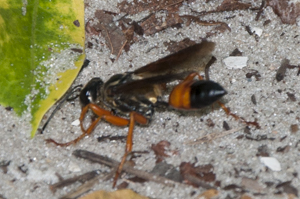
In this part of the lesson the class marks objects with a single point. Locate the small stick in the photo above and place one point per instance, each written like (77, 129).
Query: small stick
(93, 157)
(84, 188)
(212, 136)
(120, 51)
(82, 178)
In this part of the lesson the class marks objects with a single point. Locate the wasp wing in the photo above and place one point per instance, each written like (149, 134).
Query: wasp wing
(193, 58)
(173, 67)
(145, 83)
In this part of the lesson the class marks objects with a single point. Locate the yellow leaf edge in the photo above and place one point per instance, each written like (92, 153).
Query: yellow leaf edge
(64, 82)
(55, 93)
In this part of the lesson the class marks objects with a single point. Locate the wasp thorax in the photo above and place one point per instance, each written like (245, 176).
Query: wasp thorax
(91, 91)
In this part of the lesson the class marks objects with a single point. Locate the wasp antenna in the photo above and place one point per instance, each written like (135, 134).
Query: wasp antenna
(67, 97)
(77, 89)
(211, 62)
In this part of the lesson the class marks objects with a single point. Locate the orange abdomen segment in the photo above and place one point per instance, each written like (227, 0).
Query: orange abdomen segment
(180, 96)
(195, 94)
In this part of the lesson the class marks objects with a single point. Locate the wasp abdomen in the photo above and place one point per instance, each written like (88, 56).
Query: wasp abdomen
(195, 94)
(204, 93)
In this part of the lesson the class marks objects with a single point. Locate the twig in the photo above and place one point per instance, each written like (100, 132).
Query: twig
(128, 169)
(212, 136)
(120, 51)
(87, 186)
(82, 178)
(172, 4)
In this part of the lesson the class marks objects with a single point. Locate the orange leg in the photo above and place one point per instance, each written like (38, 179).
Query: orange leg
(134, 117)
(102, 114)
(191, 76)
(115, 120)
(228, 112)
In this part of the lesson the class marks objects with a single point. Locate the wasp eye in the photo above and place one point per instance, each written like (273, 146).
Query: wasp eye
(91, 91)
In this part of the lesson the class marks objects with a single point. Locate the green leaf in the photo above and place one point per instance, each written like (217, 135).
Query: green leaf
(37, 63)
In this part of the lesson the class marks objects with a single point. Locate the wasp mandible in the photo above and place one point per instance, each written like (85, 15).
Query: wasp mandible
(131, 98)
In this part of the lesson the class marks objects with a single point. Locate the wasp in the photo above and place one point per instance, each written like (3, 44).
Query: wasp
(131, 98)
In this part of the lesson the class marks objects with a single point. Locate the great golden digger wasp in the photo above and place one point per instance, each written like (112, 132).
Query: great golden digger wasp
(131, 97)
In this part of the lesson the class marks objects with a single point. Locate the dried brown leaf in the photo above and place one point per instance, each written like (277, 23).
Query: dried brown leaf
(287, 10)
(245, 196)
(231, 5)
(286, 187)
(251, 185)
(154, 24)
(174, 46)
(138, 6)
(114, 36)
(119, 194)
(208, 194)
(160, 150)
(192, 174)
(294, 128)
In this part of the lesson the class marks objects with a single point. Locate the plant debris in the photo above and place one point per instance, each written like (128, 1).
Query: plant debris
(231, 5)
(81, 178)
(294, 128)
(127, 168)
(255, 73)
(122, 193)
(168, 171)
(282, 70)
(151, 6)
(154, 24)
(114, 36)
(287, 10)
(263, 151)
(226, 127)
(160, 150)
(208, 194)
(212, 136)
(251, 185)
(111, 138)
(236, 52)
(253, 99)
(196, 175)
(286, 187)
(174, 46)
(4, 164)
(291, 96)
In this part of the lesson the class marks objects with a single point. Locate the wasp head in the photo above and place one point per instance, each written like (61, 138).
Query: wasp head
(91, 91)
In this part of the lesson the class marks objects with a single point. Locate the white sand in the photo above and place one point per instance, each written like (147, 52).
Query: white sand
(274, 111)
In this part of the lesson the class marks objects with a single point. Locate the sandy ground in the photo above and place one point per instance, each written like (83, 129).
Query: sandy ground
(34, 165)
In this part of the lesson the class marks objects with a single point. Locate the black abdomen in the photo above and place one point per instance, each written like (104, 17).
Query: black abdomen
(204, 93)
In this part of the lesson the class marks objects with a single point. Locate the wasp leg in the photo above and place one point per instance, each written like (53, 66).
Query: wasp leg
(134, 117)
(228, 112)
(208, 65)
(102, 114)
(191, 76)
